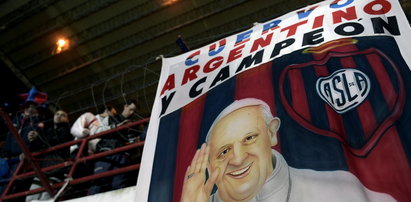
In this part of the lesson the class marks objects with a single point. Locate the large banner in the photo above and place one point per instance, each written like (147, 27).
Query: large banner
(312, 106)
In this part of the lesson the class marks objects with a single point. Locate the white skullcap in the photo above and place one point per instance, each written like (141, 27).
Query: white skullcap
(237, 104)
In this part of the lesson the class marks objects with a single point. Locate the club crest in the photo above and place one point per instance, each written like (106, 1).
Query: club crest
(344, 89)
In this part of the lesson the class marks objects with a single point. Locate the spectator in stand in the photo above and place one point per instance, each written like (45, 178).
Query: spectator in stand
(90, 124)
(24, 122)
(129, 109)
(118, 160)
(85, 125)
(51, 135)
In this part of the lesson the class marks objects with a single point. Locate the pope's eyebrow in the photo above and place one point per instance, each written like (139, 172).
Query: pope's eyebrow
(222, 147)
(249, 133)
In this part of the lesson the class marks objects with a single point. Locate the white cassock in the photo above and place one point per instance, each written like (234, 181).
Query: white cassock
(287, 184)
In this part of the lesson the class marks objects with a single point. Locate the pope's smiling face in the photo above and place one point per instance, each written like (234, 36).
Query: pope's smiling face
(240, 146)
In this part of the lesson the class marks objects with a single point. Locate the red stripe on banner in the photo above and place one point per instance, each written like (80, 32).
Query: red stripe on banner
(348, 62)
(190, 125)
(258, 83)
(335, 122)
(345, 48)
(335, 46)
(364, 110)
(386, 168)
(384, 80)
(298, 94)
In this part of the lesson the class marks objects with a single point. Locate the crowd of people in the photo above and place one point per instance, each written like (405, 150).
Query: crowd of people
(40, 132)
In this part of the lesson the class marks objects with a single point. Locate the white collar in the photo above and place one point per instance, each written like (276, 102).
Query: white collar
(278, 182)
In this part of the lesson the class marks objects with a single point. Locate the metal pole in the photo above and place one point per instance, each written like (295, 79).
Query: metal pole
(27, 153)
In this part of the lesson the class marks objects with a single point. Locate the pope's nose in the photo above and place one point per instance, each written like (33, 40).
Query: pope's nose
(238, 155)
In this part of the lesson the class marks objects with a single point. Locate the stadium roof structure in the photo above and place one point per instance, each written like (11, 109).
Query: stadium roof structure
(111, 48)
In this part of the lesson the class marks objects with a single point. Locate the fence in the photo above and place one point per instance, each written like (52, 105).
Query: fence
(29, 168)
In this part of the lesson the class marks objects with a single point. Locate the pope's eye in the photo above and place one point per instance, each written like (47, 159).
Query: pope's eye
(223, 153)
(250, 138)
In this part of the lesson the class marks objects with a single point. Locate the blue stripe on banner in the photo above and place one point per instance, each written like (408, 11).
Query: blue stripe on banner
(316, 104)
(391, 74)
(162, 179)
(390, 48)
(300, 147)
(217, 99)
(353, 129)
(287, 88)
(376, 97)
(404, 126)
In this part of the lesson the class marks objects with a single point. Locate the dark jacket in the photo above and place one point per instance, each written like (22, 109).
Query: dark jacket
(49, 137)
(23, 125)
(115, 139)
(52, 136)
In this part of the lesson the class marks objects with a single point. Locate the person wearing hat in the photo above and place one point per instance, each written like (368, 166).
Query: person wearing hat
(24, 122)
(239, 158)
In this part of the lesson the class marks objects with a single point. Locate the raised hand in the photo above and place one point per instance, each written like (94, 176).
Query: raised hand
(86, 132)
(32, 135)
(195, 187)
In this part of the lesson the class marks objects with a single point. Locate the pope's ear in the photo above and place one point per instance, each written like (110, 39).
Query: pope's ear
(273, 127)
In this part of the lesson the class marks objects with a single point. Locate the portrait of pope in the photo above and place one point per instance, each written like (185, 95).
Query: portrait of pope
(237, 157)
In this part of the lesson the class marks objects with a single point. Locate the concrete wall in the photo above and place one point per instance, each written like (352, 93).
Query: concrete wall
(120, 195)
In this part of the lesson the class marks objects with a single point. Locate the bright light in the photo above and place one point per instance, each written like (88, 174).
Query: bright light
(61, 45)
(168, 2)
(61, 42)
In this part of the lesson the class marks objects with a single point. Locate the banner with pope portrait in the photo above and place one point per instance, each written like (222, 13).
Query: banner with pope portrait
(312, 106)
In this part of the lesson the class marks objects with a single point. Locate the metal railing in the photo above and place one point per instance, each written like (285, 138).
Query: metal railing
(30, 168)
